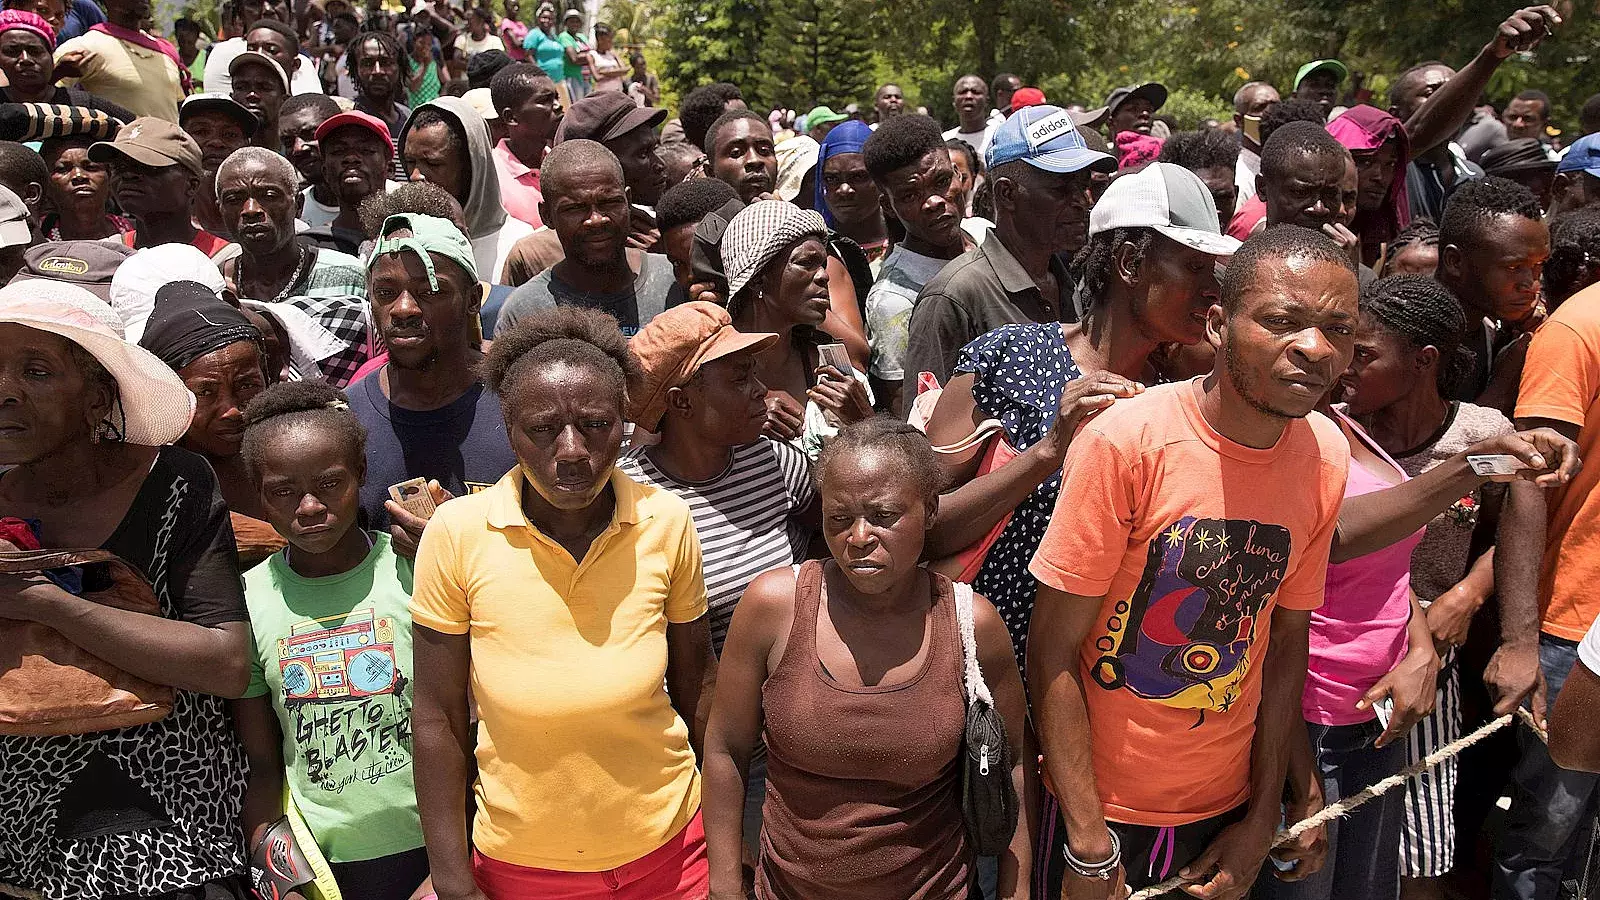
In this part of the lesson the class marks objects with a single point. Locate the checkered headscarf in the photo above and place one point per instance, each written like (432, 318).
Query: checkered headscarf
(758, 233)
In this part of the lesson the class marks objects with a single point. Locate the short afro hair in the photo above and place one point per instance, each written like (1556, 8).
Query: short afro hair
(1291, 110)
(1470, 211)
(1536, 96)
(691, 201)
(513, 85)
(900, 141)
(570, 335)
(1281, 153)
(728, 118)
(423, 197)
(700, 108)
(1574, 253)
(1196, 150)
(21, 166)
(284, 31)
(1276, 243)
(324, 106)
(290, 404)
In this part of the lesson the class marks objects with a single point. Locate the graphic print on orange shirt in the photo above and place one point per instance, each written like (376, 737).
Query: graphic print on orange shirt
(1183, 639)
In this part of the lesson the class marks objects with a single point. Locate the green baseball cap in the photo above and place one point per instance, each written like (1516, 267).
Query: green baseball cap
(1338, 69)
(823, 115)
(429, 234)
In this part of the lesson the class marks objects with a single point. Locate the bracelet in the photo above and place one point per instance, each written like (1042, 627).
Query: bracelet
(1102, 870)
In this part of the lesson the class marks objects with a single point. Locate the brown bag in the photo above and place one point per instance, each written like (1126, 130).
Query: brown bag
(49, 685)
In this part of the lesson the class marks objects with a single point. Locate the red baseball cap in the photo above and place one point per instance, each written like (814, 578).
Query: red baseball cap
(361, 120)
(1026, 96)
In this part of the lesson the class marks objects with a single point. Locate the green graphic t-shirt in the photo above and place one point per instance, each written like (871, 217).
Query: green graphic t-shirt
(334, 654)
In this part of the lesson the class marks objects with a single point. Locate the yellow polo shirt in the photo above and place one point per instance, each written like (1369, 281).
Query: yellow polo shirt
(583, 765)
(144, 81)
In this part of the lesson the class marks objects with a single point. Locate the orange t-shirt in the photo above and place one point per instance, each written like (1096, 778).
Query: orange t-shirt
(1192, 540)
(1561, 381)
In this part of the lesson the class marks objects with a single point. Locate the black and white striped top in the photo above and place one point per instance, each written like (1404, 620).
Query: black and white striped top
(745, 518)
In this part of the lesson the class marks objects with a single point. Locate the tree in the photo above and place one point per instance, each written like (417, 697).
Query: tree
(815, 52)
(710, 40)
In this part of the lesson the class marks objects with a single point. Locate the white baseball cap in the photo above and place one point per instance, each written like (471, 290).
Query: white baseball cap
(1168, 199)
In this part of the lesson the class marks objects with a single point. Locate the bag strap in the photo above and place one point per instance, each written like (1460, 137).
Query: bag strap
(977, 690)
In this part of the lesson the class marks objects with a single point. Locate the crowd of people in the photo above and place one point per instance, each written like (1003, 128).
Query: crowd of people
(429, 472)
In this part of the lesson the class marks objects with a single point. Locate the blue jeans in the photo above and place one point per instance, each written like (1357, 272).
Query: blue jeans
(1549, 804)
(1363, 847)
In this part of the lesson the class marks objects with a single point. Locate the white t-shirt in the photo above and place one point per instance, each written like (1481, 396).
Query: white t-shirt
(315, 215)
(606, 61)
(221, 56)
(470, 48)
(1589, 648)
(977, 140)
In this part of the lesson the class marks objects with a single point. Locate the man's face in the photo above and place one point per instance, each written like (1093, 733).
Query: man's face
(725, 402)
(743, 157)
(1258, 100)
(297, 135)
(1323, 87)
(143, 191)
(1311, 195)
(1002, 96)
(117, 11)
(273, 44)
(1418, 87)
(1135, 114)
(430, 156)
(642, 169)
(890, 101)
(259, 207)
(1375, 175)
(971, 98)
(250, 11)
(1524, 119)
(1224, 191)
(345, 31)
(377, 70)
(1291, 335)
(1574, 190)
(1048, 210)
(678, 243)
(355, 162)
(927, 199)
(1539, 181)
(849, 190)
(417, 323)
(588, 211)
(258, 89)
(217, 134)
(534, 123)
(1498, 274)
(1176, 289)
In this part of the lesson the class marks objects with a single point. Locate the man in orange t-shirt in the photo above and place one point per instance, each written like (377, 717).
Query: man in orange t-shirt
(1189, 544)
(1561, 390)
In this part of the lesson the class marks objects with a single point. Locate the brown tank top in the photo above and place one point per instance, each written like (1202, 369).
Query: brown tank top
(864, 783)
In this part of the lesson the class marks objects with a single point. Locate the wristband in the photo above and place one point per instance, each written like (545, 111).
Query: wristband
(276, 865)
(1102, 870)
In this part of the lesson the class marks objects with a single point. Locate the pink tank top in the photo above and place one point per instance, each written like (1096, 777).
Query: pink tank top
(1359, 634)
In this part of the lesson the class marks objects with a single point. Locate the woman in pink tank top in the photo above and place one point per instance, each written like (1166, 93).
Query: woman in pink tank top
(851, 669)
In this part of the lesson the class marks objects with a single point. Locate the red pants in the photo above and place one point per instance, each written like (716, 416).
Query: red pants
(677, 870)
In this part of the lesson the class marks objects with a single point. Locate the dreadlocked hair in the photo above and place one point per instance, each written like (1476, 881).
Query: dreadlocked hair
(1094, 266)
(1424, 313)
(1574, 252)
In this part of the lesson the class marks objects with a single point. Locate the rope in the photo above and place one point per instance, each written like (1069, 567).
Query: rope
(1347, 805)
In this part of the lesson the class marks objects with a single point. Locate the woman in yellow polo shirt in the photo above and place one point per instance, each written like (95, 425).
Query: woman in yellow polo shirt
(572, 600)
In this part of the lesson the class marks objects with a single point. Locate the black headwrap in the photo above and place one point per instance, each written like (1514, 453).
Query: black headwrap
(189, 321)
(1520, 155)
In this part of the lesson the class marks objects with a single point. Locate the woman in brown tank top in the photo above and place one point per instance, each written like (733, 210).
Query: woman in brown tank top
(850, 668)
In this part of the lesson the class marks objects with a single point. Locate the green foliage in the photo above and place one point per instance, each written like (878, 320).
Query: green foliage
(710, 40)
(814, 52)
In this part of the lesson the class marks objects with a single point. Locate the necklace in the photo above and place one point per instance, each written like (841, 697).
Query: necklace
(299, 271)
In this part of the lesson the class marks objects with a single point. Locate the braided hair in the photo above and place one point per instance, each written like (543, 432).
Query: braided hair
(1095, 265)
(1424, 313)
(915, 457)
(1574, 253)
(297, 404)
(1420, 233)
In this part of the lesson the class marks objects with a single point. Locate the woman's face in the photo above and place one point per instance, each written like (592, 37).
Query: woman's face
(310, 485)
(1374, 175)
(547, 19)
(1383, 370)
(1415, 259)
(850, 191)
(1177, 287)
(224, 382)
(565, 423)
(46, 400)
(795, 283)
(874, 519)
(76, 180)
(25, 60)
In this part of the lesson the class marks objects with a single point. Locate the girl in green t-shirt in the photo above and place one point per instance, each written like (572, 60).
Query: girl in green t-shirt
(328, 710)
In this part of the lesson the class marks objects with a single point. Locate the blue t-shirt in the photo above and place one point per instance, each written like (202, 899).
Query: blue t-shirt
(462, 445)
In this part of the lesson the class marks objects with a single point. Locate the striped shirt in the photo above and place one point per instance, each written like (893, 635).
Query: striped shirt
(745, 518)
